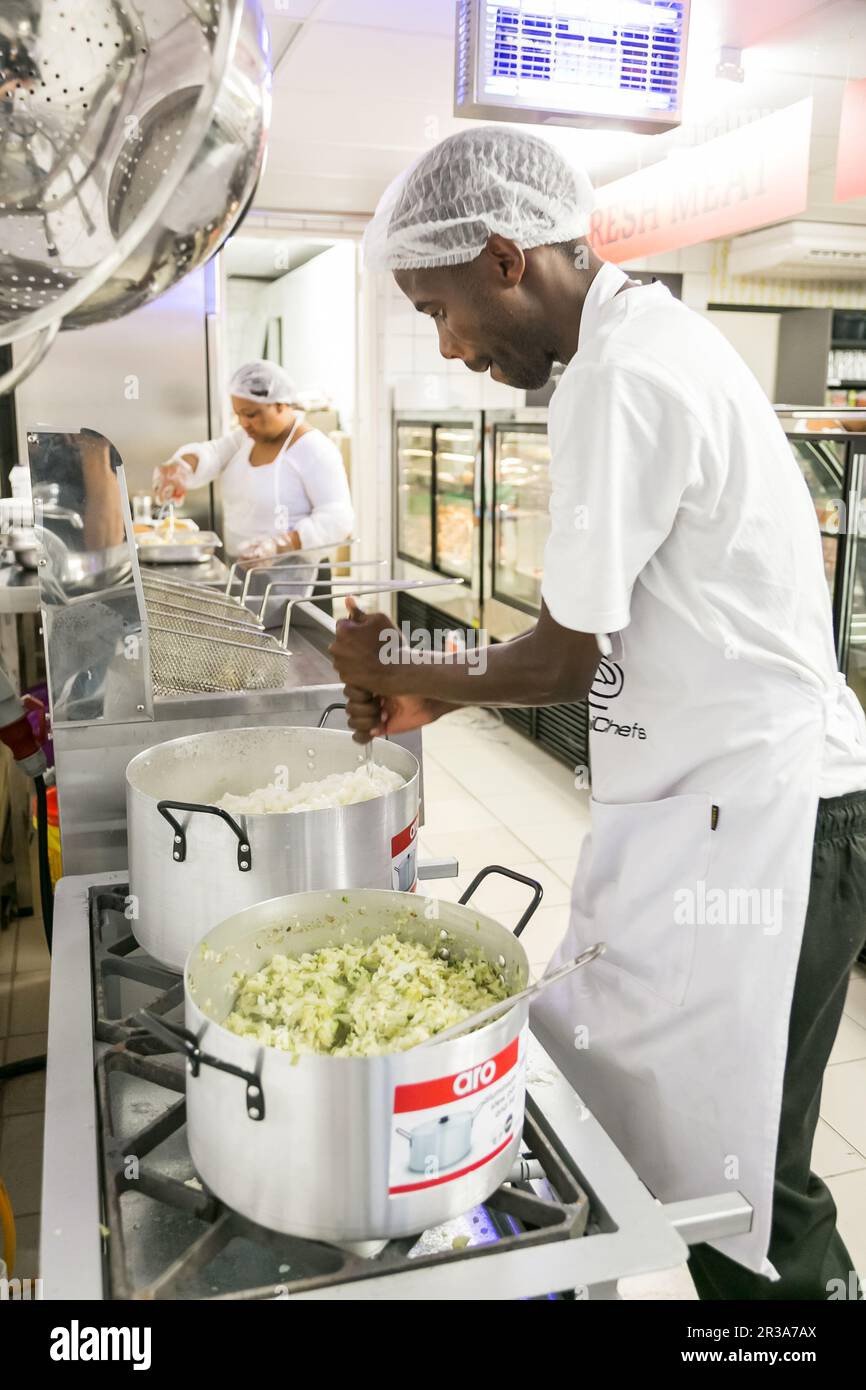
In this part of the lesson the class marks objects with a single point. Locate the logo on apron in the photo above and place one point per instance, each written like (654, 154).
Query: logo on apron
(607, 685)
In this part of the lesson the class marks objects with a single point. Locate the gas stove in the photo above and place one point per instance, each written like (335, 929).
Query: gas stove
(124, 1215)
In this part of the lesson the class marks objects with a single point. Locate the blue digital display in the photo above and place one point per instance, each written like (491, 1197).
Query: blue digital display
(626, 57)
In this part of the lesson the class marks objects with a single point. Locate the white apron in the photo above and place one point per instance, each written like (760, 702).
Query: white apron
(676, 1039)
(253, 498)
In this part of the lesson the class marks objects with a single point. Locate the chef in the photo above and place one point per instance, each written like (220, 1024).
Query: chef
(684, 594)
(283, 482)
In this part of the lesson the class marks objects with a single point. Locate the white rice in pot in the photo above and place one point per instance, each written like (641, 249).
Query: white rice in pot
(338, 789)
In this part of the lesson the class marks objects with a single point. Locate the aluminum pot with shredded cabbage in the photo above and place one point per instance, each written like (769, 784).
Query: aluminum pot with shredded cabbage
(362, 999)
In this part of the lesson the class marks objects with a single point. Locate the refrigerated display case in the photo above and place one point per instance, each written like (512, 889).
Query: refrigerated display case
(830, 449)
(517, 517)
(438, 505)
(414, 492)
(516, 528)
(487, 524)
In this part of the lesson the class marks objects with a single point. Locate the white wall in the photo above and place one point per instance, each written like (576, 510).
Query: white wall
(756, 339)
(317, 304)
(694, 263)
(245, 321)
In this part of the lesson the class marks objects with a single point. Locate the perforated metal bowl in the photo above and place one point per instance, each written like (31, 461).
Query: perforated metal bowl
(131, 140)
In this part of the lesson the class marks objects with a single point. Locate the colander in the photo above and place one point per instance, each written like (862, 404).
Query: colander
(131, 140)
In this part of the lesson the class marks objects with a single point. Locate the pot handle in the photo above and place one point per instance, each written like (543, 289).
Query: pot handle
(537, 890)
(404, 1134)
(182, 1040)
(329, 709)
(245, 855)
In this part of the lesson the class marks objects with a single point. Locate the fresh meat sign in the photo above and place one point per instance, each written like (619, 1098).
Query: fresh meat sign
(741, 180)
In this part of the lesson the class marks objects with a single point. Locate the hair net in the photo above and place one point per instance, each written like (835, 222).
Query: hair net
(487, 180)
(265, 382)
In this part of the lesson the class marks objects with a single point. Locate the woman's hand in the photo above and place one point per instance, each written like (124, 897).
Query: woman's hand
(171, 480)
(262, 548)
(265, 547)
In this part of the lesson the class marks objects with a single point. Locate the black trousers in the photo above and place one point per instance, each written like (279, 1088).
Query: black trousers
(805, 1246)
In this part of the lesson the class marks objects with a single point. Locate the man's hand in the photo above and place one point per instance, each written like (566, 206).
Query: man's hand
(357, 650)
(371, 716)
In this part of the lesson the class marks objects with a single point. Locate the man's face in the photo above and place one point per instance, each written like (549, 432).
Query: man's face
(260, 422)
(485, 317)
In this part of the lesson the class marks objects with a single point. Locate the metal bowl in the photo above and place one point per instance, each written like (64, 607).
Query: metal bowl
(131, 141)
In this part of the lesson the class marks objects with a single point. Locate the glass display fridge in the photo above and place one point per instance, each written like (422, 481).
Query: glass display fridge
(438, 505)
(517, 518)
(487, 524)
(516, 528)
(830, 449)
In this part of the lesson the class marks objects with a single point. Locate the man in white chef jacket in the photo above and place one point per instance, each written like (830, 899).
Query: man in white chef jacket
(727, 863)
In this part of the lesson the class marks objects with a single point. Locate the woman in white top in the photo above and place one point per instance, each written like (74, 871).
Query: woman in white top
(283, 483)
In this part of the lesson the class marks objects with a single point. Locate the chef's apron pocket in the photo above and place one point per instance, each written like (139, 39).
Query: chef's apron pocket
(647, 878)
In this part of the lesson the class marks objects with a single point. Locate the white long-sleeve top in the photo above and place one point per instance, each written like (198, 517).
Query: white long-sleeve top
(304, 489)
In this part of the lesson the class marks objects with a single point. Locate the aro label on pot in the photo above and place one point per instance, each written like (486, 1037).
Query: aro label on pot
(468, 1081)
(446, 1128)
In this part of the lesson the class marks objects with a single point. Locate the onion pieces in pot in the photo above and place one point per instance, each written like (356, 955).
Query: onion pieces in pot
(362, 999)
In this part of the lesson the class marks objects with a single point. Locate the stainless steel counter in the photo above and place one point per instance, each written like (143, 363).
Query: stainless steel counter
(211, 572)
(19, 590)
(92, 756)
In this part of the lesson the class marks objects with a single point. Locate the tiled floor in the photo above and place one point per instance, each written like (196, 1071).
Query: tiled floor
(491, 797)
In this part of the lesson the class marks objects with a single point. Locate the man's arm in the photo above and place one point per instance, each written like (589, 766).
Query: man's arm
(549, 665)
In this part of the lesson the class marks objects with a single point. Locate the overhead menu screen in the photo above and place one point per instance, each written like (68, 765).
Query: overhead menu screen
(618, 62)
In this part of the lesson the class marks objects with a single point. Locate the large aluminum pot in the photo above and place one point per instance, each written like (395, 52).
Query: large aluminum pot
(191, 864)
(334, 1148)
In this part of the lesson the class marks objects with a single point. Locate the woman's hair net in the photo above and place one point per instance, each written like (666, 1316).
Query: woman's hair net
(265, 382)
(487, 180)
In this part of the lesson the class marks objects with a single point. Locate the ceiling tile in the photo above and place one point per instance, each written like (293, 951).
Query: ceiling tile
(355, 63)
(407, 16)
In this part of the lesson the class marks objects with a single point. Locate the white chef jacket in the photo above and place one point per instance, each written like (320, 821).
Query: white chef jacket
(680, 520)
(683, 530)
(304, 489)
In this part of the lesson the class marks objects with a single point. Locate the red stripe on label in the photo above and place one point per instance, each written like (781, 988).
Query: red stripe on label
(444, 1090)
(404, 839)
(449, 1177)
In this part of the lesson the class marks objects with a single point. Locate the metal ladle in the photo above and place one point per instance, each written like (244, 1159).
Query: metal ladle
(475, 1020)
(356, 615)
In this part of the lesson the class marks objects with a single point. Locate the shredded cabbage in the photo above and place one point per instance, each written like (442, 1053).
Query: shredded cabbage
(337, 789)
(361, 999)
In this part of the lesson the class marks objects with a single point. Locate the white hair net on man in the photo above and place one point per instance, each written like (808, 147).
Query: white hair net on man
(265, 382)
(442, 210)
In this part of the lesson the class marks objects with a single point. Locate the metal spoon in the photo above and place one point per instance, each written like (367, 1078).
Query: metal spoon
(485, 1015)
(357, 616)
